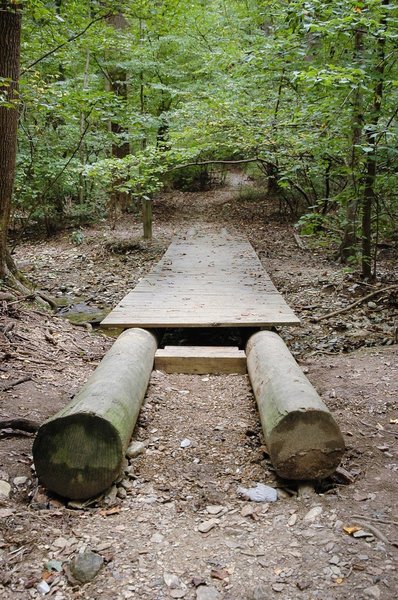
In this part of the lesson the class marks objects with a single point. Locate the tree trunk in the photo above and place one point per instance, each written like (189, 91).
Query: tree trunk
(78, 453)
(303, 439)
(371, 161)
(349, 241)
(83, 148)
(120, 146)
(10, 36)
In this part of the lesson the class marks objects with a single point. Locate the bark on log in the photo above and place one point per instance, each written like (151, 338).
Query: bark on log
(303, 439)
(78, 452)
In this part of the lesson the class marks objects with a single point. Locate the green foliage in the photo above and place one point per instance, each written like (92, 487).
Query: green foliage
(312, 223)
(77, 237)
(190, 81)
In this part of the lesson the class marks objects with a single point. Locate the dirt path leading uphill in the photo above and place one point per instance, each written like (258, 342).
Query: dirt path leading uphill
(179, 528)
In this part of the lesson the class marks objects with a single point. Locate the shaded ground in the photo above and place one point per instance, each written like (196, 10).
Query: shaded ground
(152, 530)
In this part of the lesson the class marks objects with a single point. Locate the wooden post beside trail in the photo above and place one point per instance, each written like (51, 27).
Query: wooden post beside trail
(147, 218)
(302, 438)
(78, 453)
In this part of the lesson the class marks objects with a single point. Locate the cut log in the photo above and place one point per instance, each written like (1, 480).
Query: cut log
(303, 439)
(78, 452)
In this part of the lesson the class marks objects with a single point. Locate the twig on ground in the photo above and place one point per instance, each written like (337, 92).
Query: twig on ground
(300, 242)
(354, 304)
(373, 520)
(8, 385)
(393, 433)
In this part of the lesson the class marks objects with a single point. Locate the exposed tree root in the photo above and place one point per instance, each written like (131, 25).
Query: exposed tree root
(15, 284)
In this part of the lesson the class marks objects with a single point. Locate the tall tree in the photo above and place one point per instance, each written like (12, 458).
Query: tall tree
(10, 36)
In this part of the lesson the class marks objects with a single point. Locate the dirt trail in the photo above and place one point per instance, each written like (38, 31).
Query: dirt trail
(179, 528)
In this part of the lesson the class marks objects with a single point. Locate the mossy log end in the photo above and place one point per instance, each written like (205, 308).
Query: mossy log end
(302, 437)
(78, 452)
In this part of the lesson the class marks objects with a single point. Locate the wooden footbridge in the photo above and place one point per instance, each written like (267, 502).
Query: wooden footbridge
(205, 279)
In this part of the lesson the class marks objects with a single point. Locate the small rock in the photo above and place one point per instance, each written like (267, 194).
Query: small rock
(362, 534)
(60, 542)
(220, 574)
(54, 565)
(43, 587)
(304, 584)
(135, 449)
(178, 593)
(18, 481)
(197, 581)
(121, 493)
(383, 448)
(313, 514)
(260, 493)
(103, 546)
(372, 592)
(6, 512)
(372, 305)
(185, 443)
(292, 520)
(172, 581)
(157, 538)
(278, 587)
(247, 511)
(207, 592)
(84, 567)
(361, 496)
(335, 560)
(126, 484)
(306, 489)
(5, 489)
(260, 592)
(130, 472)
(206, 526)
(214, 509)
(110, 496)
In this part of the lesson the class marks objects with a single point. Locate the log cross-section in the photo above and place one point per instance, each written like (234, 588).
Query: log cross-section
(302, 437)
(78, 452)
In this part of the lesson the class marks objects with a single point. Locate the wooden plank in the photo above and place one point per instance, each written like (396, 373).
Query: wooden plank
(205, 279)
(201, 359)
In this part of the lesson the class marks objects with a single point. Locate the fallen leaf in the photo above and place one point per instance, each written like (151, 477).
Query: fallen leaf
(115, 510)
(351, 529)
(219, 574)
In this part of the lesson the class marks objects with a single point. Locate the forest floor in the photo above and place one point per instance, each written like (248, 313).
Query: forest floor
(178, 528)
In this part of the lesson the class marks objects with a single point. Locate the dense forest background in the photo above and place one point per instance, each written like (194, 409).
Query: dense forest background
(117, 98)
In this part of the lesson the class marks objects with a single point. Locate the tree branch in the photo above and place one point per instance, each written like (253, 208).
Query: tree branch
(219, 162)
(71, 39)
(72, 156)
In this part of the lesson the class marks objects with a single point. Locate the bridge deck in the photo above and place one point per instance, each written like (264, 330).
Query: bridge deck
(205, 279)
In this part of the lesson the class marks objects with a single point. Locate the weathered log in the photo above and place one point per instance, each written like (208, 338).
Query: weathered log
(78, 452)
(303, 439)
